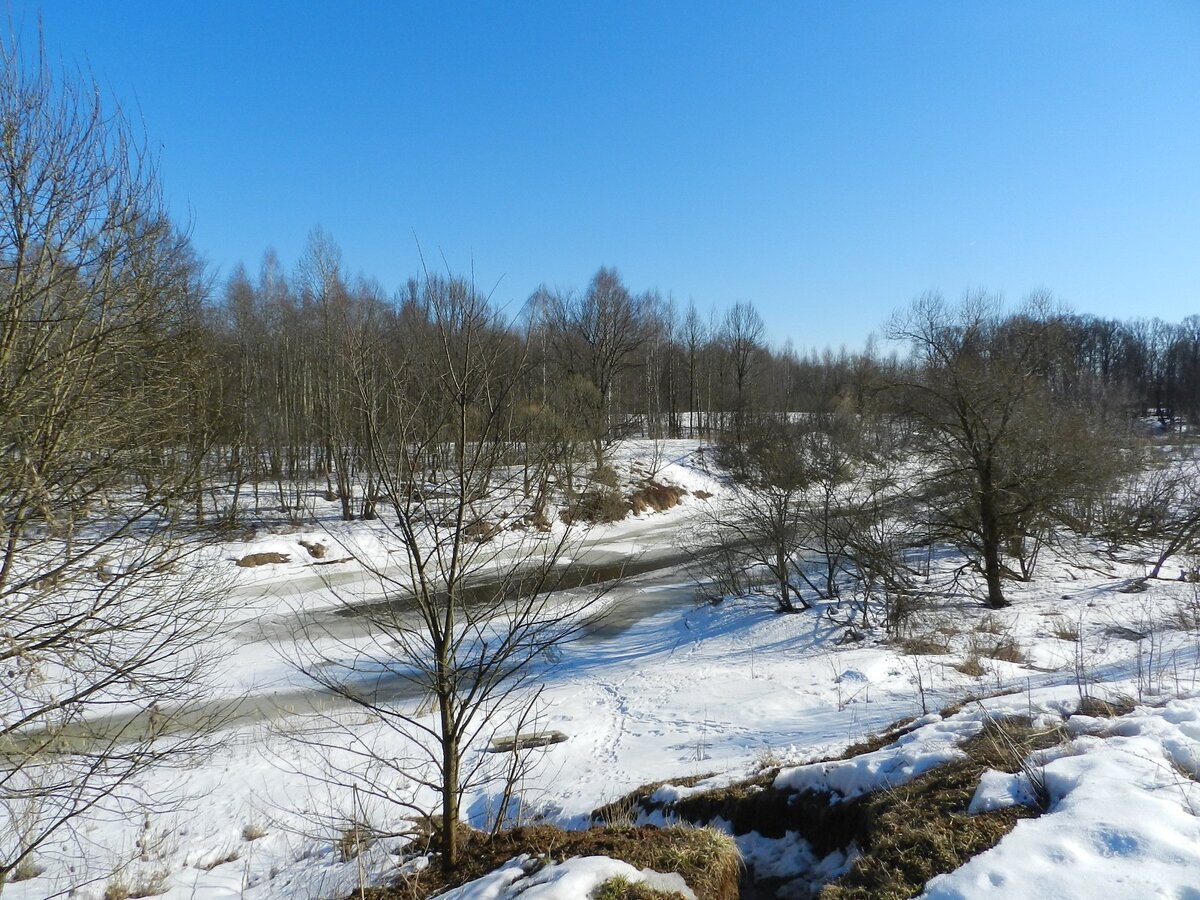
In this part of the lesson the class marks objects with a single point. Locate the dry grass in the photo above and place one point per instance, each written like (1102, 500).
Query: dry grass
(911, 833)
(906, 835)
(989, 624)
(706, 858)
(876, 741)
(923, 645)
(656, 497)
(1063, 628)
(315, 549)
(1186, 616)
(353, 839)
(948, 629)
(1004, 648)
(596, 507)
(253, 560)
(150, 885)
(1105, 709)
(481, 531)
(26, 869)
(971, 666)
(219, 860)
(626, 808)
(619, 888)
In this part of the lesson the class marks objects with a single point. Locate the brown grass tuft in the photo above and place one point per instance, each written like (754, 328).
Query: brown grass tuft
(923, 645)
(481, 531)
(1105, 709)
(1005, 649)
(252, 560)
(971, 666)
(1063, 628)
(596, 507)
(623, 889)
(656, 497)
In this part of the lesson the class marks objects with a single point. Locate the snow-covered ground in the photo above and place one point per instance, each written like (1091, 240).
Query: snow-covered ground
(689, 688)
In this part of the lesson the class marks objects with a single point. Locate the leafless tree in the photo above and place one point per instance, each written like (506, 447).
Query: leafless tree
(596, 336)
(822, 508)
(765, 527)
(1003, 453)
(473, 610)
(742, 338)
(692, 335)
(98, 312)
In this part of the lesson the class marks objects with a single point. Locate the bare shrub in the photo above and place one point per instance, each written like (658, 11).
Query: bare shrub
(923, 645)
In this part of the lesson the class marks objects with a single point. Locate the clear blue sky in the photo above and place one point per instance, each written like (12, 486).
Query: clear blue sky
(826, 161)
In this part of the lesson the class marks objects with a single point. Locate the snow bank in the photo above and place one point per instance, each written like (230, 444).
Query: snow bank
(932, 743)
(1123, 817)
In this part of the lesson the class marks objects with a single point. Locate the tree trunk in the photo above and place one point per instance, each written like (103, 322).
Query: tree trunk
(990, 538)
(449, 793)
(785, 599)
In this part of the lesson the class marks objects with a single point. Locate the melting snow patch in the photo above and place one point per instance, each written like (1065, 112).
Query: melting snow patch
(911, 755)
(790, 858)
(568, 880)
(1000, 790)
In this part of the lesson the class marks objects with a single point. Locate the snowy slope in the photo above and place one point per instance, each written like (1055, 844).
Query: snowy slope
(684, 689)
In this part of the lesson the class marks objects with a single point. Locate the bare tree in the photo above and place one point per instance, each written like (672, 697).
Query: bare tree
(692, 335)
(822, 508)
(742, 337)
(597, 337)
(765, 527)
(1003, 453)
(472, 612)
(98, 309)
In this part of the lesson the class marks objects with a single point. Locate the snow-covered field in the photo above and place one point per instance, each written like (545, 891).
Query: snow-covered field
(689, 688)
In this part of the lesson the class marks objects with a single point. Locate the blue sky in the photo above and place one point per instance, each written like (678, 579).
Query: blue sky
(826, 161)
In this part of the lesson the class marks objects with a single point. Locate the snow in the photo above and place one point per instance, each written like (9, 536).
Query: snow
(931, 744)
(569, 880)
(674, 690)
(791, 859)
(1000, 790)
(1123, 818)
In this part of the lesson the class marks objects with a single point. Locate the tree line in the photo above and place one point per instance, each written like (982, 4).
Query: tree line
(283, 406)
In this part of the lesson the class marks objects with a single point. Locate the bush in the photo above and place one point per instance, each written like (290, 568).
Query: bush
(595, 507)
